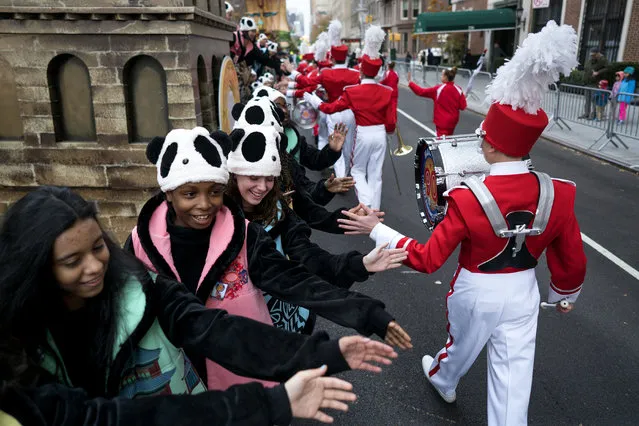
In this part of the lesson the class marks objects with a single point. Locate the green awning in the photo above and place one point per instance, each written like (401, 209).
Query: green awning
(465, 21)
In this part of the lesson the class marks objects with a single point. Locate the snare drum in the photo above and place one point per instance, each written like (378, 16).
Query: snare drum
(441, 164)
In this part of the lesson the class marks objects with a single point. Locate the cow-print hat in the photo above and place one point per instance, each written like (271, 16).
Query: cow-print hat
(255, 151)
(189, 156)
(258, 112)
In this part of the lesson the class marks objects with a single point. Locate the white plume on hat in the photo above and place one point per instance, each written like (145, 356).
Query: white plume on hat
(304, 48)
(523, 80)
(322, 46)
(257, 153)
(335, 32)
(373, 40)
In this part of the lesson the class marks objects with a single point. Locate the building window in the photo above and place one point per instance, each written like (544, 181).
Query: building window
(405, 41)
(541, 16)
(10, 122)
(417, 8)
(147, 110)
(71, 100)
(603, 22)
(204, 88)
(404, 9)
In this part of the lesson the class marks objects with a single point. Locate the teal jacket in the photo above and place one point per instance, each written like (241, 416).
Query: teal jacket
(159, 318)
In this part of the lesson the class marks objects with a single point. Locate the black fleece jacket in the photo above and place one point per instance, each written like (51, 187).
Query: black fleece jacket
(270, 271)
(57, 405)
(341, 270)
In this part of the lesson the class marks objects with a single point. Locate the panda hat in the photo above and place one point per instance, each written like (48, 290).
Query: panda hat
(255, 151)
(248, 24)
(268, 92)
(190, 156)
(256, 85)
(269, 76)
(260, 111)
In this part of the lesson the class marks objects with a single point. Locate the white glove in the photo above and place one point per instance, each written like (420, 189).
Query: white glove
(292, 85)
(313, 100)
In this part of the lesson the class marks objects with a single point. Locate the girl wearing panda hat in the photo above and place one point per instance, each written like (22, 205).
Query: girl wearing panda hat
(189, 232)
(309, 197)
(255, 185)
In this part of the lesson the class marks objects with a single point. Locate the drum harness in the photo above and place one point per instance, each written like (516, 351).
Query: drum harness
(497, 221)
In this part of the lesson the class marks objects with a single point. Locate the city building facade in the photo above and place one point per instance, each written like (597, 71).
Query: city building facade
(85, 88)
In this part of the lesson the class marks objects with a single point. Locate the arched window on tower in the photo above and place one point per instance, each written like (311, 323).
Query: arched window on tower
(215, 89)
(205, 97)
(10, 121)
(71, 99)
(147, 110)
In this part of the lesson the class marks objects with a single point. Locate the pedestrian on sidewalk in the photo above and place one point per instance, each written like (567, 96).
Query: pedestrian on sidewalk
(600, 99)
(626, 90)
(494, 296)
(449, 99)
(593, 68)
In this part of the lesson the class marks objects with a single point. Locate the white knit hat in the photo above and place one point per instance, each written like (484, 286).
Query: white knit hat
(259, 111)
(256, 151)
(189, 156)
(269, 92)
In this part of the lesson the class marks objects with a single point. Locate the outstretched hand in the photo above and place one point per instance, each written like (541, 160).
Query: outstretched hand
(359, 222)
(308, 392)
(287, 67)
(379, 259)
(360, 352)
(396, 336)
(337, 138)
(335, 185)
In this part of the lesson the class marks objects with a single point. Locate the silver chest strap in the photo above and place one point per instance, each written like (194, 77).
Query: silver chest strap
(497, 221)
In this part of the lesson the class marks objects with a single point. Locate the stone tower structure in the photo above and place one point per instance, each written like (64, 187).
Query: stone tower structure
(84, 88)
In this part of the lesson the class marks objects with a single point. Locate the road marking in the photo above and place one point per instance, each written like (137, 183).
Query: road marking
(586, 239)
(608, 254)
(416, 122)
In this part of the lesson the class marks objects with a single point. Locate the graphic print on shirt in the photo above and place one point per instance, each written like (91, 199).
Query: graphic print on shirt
(229, 286)
(286, 316)
(144, 376)
(509, 257)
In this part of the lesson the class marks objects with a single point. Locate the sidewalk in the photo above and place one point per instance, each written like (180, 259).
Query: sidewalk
(581, 137)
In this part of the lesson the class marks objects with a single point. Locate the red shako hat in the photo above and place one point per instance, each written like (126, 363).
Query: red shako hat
(515, 120)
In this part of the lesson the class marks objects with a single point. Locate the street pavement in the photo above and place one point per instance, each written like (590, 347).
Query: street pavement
(587, 362)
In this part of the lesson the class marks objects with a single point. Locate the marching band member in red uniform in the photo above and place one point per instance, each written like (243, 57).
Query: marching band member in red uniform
(503, 224)
(449, 99)
(391, 79)
(334, 80)
(371, 104)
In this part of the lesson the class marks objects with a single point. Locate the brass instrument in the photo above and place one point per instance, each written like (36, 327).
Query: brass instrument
(402, 149)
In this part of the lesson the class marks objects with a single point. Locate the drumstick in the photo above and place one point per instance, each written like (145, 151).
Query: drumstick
(564, 304)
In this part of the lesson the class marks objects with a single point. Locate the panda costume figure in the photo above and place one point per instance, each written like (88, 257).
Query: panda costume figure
(191, 233)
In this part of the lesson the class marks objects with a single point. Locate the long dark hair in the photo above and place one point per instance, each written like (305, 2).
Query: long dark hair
(29, 295)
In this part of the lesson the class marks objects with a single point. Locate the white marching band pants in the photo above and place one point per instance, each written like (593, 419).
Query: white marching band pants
(367, 162)
(322, 133)
(343, 165)
(498, 310)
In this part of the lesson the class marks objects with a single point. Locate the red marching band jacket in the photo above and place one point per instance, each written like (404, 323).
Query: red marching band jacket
(370, 103)
(482, 251)
(310, 73)
(449, 100)
(332, 79)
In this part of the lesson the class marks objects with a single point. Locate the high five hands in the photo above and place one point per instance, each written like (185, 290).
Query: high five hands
(361, 220)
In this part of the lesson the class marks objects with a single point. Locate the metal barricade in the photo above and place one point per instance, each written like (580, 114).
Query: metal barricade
(624, 118)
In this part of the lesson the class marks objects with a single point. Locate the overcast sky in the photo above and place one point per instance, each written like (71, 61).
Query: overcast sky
(303, 6)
